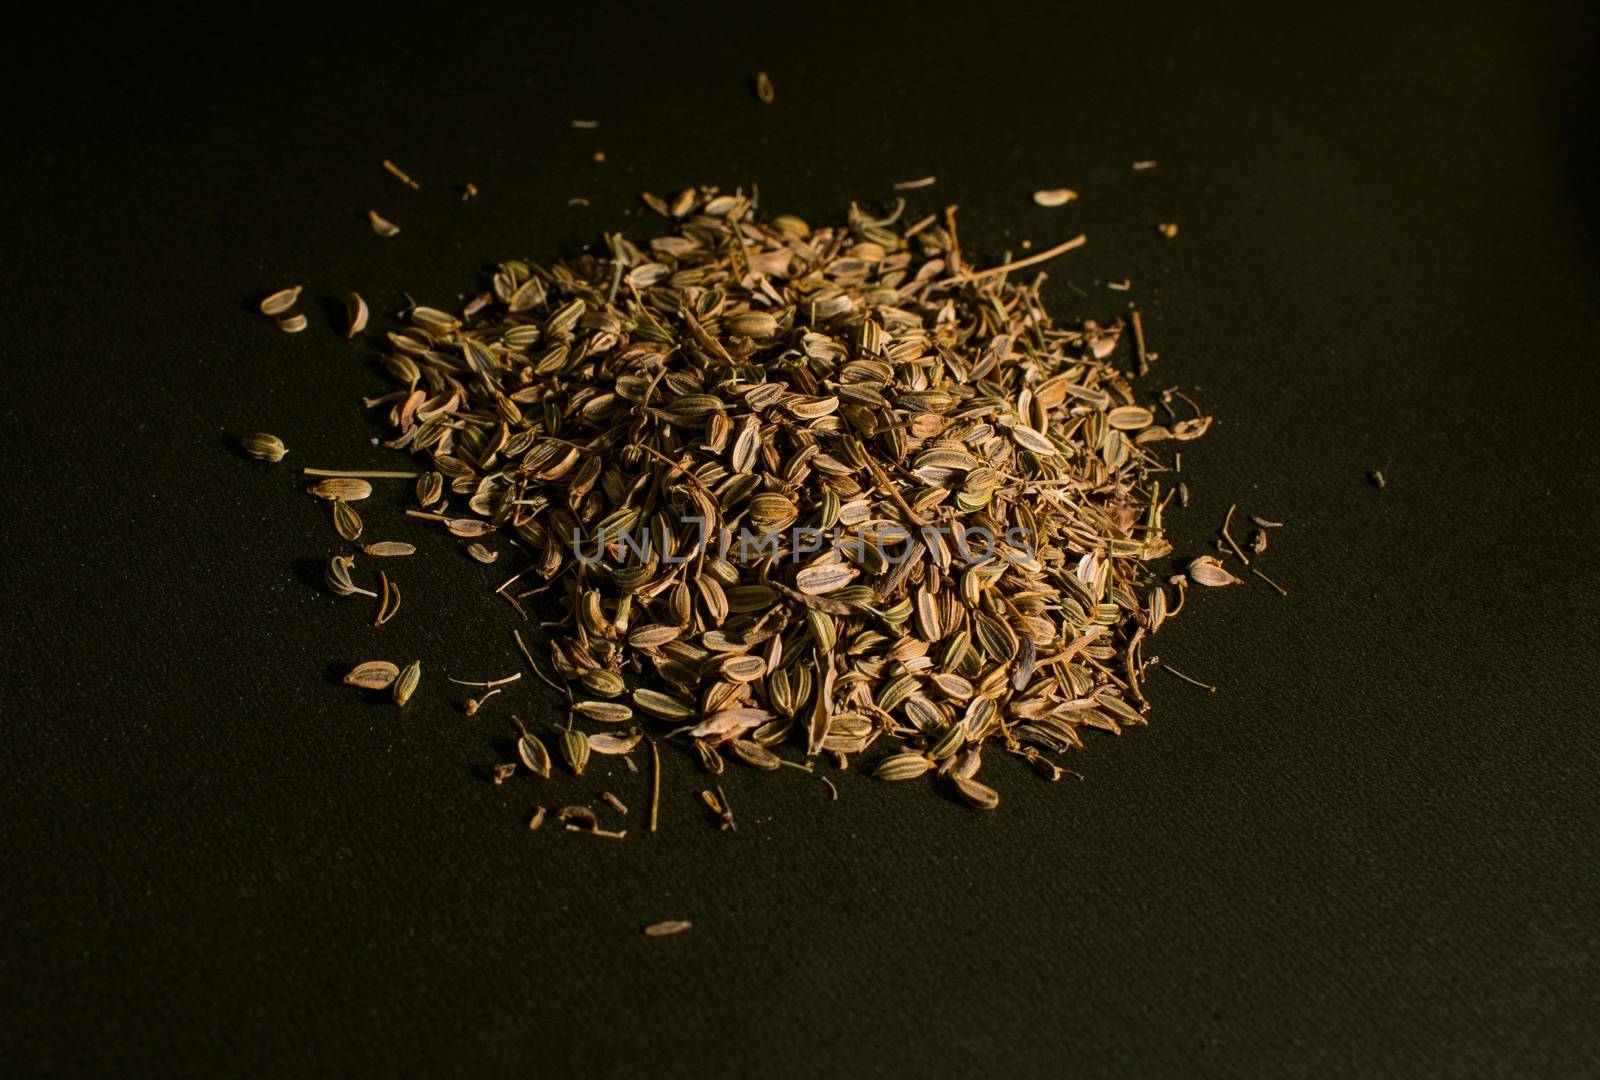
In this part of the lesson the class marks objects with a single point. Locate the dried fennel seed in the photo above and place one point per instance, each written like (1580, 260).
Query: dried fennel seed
(804, 491)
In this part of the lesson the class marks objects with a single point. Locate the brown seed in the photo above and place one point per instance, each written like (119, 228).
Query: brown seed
(667, 927)
(389, 548)
(348, 488)
(902, 767)
(1208, 570)
(1054, 196)
(346, 522)
(355, 310)
(263, 447)
(281, 301)
(978, 795)
(372, 675)
(292, 324)
(381, 226)
(535, 758)
(405, 684)
(764, 89)
(768, 378)
(575, 750)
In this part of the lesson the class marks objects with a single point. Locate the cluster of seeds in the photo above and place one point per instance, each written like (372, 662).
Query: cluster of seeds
(803, 492)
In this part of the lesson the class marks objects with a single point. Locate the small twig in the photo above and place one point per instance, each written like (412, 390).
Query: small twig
(491, 683)
(1075, 242)
(605, 833)
(1226, 536)
(378, 474)
(1138, 343)
(655, 785)
(1187, 679)
(1281, 590)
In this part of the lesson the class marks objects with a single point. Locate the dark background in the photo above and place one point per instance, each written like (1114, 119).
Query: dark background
(1372, 852)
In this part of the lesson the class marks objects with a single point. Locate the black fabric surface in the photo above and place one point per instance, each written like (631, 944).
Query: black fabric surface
(1372, 852)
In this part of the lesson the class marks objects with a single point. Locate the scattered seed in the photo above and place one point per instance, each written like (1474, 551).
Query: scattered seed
(381, 226)
(263, 447)
(355, 310)
(1054, 196)
(281, 301)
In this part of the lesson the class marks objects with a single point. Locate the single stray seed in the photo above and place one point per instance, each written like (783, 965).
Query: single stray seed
(1054, 196)
(263, 447)
(764, 89)
(381, 226)
(355, 310)
(292, 324)
(281, 301)
(666, 927)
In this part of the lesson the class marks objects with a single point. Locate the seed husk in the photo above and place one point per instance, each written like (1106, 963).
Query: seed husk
(614, 745)
(263, 447)
(292, 324)
(338, 577)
